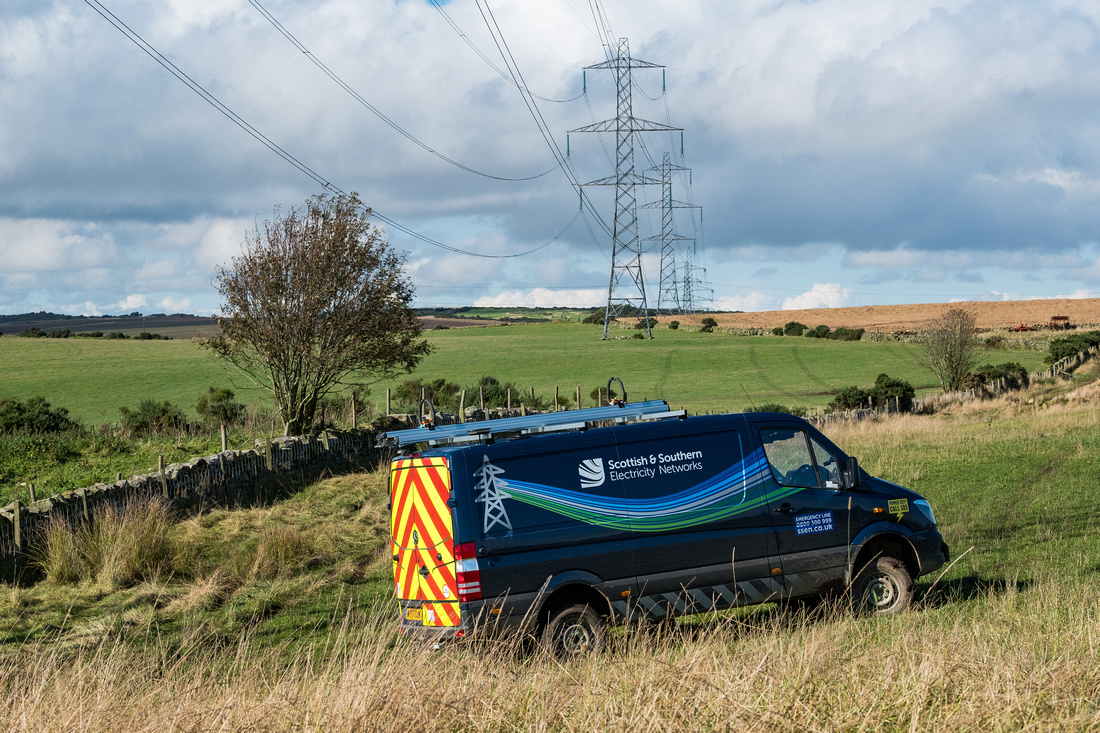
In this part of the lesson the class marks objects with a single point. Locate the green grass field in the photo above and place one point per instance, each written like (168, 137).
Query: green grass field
(281, 617)
(701, 372)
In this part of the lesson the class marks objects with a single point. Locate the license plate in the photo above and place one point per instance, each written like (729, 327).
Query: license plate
(413, 614)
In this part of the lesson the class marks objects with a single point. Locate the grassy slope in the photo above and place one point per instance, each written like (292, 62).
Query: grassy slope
(280, 617)
(92, 378)
(702, 372)
(699, 371)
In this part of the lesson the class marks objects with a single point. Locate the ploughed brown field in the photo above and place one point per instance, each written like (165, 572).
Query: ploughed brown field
(988, 314)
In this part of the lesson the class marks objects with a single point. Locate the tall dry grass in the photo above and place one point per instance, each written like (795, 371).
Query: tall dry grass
(1008, 661)
(120, 546)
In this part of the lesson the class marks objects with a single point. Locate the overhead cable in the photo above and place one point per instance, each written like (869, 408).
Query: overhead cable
(274, 147)
(377, 112)
(438, 5)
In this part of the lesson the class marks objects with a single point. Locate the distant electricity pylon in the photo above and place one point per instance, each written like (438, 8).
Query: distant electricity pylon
(668, 296)
(692, 282)
(626, 250)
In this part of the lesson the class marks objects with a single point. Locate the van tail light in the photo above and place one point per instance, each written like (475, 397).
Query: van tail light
(469, 575)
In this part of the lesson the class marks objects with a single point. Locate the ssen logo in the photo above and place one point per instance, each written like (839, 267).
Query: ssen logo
(591, 472)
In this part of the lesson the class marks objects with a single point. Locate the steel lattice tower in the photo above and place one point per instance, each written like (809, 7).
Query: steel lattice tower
(669, 290)
(626, 250)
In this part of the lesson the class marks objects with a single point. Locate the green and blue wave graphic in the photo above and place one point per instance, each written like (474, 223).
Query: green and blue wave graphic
(738, 489)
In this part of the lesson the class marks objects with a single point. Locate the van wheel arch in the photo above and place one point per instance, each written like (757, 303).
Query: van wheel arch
(884, 545)
(575, 593)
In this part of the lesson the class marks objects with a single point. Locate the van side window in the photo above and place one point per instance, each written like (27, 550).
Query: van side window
(788, 454)
(826, 465)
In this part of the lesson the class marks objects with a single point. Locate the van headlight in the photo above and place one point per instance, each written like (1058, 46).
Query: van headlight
(925, 509)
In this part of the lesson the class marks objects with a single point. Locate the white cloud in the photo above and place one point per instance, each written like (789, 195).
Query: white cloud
(752, 302)
(46, 245)
(545, 298)
(130, 303)
(173, 305)
(821, 295)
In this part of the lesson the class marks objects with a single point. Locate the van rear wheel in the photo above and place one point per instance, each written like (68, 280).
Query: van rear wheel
(882, 588)
(573, 631)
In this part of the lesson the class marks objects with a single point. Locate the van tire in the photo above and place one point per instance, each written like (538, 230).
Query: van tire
(573, 630)
(882, 588)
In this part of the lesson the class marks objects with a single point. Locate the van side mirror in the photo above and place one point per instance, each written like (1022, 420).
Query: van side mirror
(852, 478)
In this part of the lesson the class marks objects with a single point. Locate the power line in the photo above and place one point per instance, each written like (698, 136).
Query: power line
(274, 147)
(377, 112)
(504, 75)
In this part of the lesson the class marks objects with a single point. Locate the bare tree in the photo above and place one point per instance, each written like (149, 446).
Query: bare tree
(951, 348)
(316, 300)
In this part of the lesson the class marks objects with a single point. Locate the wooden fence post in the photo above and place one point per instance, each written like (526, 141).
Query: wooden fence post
(34, 498)
(267, 452)
(18, 518)
(84, 500)
(578, 397)
(556, 407)
(353, 424)
(481, 395)
(462, 407)
(509, 398)
(225, 444)
(387, 400)
(163, 480)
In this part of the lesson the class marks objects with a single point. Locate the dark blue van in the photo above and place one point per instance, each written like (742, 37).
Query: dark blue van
(551, 525)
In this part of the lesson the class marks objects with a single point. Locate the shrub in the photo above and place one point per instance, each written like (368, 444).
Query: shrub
(849, 398)
(597, 316)
(794, 328)
(1060, 348)
(32, 333)
(152, 417)
(1014, 374)
(709, 325)
(673, 325)
(443, 394)
(60, 333)
(639, 336)
(819, 332)
(217, 406)
(777, 331)
(890, 391)
(996, 341)
(776, 407)
(116, 335)
(641, 325)
(146, 336)
(847, 334)
(33, 416)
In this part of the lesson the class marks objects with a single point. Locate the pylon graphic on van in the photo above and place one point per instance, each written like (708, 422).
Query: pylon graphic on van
(492, 495)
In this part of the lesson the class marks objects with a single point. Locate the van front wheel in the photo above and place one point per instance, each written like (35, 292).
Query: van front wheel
(883, 588)
(573, 631)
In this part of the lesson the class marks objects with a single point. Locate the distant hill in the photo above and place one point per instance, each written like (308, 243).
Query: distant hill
(177, 325)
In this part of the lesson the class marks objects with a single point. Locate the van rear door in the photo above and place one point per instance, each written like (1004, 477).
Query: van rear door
(422, 542)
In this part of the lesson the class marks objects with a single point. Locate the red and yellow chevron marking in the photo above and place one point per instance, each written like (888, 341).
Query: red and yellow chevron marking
(422, 537)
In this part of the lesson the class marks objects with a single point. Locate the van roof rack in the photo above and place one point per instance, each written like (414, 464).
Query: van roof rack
(528, 425)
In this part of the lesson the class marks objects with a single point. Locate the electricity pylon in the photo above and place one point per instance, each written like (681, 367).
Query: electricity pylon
(669, 291)
(626, 250)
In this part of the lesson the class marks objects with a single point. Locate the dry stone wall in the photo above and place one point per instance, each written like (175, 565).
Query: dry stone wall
(235, 477)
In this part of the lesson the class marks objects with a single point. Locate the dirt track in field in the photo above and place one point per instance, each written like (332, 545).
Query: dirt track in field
(996, 314)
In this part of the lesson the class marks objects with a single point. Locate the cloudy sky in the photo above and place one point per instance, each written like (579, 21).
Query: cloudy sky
(842, 152)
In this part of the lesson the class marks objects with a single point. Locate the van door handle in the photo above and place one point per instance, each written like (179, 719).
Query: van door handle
(784, 508)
